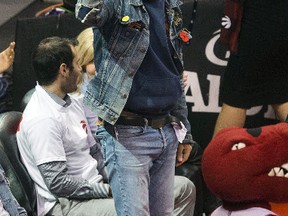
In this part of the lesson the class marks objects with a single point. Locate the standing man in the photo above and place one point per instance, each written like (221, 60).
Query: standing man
(57, 147)
(138, 94)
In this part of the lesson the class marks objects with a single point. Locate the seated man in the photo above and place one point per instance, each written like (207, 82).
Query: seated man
(57, 147)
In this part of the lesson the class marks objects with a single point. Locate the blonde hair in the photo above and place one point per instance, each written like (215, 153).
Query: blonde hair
(85, 52)
(85, 47)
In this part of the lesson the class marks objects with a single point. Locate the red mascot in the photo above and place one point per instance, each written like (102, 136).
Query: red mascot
(248, 169)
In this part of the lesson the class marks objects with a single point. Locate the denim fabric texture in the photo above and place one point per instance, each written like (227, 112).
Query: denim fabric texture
(139, 162)
(120, 50)
(8, 200)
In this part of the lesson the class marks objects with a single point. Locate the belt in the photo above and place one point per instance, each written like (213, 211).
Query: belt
(138, 120)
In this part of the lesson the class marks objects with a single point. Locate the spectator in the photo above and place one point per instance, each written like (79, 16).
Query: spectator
(6, 61)
(256, 32)
(86, 55)
(7, 58)
(86, 60)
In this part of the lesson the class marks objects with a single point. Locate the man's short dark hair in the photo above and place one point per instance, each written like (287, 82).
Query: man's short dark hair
(49, 55)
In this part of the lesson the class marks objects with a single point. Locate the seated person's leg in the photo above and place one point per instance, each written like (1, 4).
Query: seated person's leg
(205, 200)
(99, 207)
(184, 192)
(185, 196)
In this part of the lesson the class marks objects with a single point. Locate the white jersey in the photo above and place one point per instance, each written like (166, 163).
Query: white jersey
(50, 132)
(90, 116)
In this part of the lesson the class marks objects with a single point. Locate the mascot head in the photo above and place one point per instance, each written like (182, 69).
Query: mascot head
(247, 166)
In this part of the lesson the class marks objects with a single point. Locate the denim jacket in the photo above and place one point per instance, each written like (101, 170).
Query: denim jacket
(121, 40)
(8, 200)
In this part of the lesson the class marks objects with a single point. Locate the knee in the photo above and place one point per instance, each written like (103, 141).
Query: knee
(188, 189)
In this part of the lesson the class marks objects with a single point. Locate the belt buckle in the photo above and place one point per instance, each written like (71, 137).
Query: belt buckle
(157, 123)
(146, 122)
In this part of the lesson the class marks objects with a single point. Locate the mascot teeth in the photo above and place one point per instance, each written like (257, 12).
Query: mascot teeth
(247, 168)
(279, 171)
(285, 166)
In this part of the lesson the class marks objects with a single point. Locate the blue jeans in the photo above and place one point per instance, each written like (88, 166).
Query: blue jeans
(141, 168)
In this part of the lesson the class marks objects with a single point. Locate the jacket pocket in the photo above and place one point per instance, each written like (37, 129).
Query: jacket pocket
(123, 39)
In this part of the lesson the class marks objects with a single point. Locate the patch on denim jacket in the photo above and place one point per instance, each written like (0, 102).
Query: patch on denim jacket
(177, 18)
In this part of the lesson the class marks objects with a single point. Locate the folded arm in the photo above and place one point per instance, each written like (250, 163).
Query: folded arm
(62, 184)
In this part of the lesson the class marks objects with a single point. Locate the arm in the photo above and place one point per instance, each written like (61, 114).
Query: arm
(63, 185)
(95, 149)
(52, 162)
(95, 152)
(181, 112)
(7, 58)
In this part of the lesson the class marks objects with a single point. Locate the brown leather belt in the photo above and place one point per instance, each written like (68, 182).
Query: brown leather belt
(138, 120)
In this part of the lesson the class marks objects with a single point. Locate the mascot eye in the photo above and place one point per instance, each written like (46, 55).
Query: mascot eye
(238, 146)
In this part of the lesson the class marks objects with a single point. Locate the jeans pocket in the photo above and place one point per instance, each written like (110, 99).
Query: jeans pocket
(127, 131)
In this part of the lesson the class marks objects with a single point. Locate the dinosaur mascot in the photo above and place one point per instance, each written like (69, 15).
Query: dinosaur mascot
(248, 169)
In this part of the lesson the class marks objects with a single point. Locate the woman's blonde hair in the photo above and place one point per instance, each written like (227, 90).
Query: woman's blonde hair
(85, 47)
(85, 52)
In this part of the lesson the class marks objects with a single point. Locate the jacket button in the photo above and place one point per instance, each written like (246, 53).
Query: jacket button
(130, 74)
(142, 49)
(112, 118)
(124, 96)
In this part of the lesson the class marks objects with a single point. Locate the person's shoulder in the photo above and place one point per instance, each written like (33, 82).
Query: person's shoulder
(38, 111)
(77, 100)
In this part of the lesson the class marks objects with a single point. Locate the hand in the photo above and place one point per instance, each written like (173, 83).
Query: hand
(7, 57)
(183, 153)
